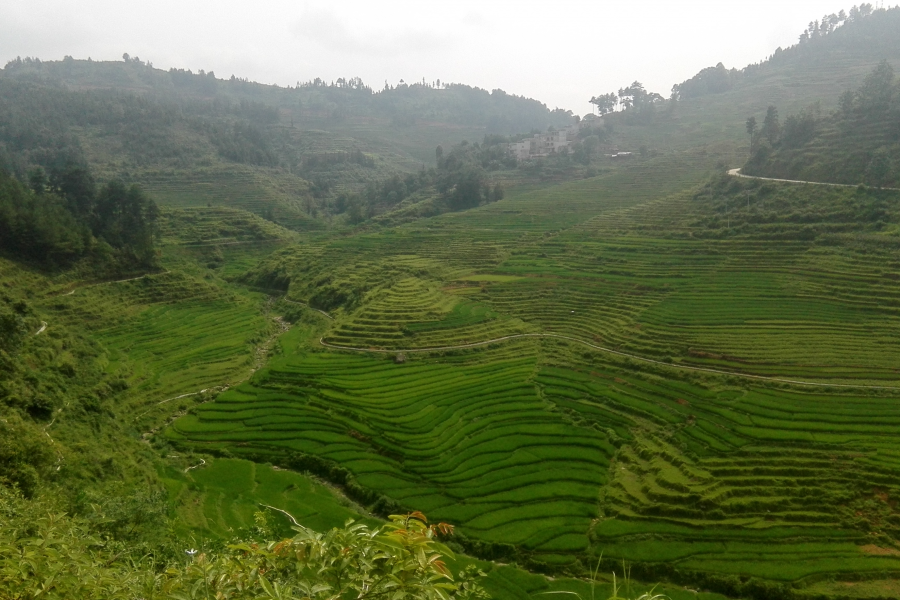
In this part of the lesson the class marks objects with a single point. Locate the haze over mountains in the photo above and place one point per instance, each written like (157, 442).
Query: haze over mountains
(221, 300)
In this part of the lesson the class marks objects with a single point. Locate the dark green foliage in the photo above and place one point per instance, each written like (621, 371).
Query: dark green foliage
(712, 80)
(858, 143)
(125, 218)
(800, 128)
(464, 187)
(61, 223)
(460, 181)
(25, 456)
(241, 143)
(39, 226)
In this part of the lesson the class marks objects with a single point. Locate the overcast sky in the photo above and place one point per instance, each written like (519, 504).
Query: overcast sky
(560, 52)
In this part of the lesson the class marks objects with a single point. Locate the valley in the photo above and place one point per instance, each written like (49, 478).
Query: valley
(587, 365)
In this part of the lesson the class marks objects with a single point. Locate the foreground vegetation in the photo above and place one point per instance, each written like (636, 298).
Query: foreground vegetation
(53, 556)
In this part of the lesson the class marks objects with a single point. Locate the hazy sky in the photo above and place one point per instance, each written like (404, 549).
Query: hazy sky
(561, 52)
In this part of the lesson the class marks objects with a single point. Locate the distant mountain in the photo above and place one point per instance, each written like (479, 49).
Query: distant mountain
(194, 139)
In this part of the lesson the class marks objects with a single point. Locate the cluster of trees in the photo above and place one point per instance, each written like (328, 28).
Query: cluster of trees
(858, 143)
(37, 124)
(633, 97)
(459, 182)
(65, 216)
(241, 142)
(711, 80)
(829, 23)
(311, 161)
(797, 129)
(718, 79)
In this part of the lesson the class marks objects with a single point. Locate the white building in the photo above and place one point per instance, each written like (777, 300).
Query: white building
(543, 144)
(521, 150)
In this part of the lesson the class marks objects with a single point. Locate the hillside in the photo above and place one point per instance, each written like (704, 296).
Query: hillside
(857, 143)
(192, 139)
(710, 110)
(592, 363)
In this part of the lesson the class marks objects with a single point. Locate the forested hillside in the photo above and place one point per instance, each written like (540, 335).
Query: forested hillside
(284, 153)
(857, 143)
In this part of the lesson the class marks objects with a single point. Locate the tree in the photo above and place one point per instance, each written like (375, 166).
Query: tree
(464, 188)
(126, 218)
(771, 128)
(847, 102)
(605, 103)
(875, 93)
(880, 167)
(76, 185)
(633, 96)
(801, 127)
(752, 129)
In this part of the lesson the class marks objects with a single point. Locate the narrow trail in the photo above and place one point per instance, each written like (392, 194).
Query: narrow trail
(284, 512)
(737, 173)
(610, 351)
(197, 466)
(87, 285)
(43, 327)
(259, 359)
(219, 388)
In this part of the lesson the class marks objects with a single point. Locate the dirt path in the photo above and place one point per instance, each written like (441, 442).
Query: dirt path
(284, 512)
(610, 351)
(43, 327)
(737, 173)
(113, 281)
(260, 355)
(197, 466)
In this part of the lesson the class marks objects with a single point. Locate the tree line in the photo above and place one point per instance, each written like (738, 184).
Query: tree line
(65, 215)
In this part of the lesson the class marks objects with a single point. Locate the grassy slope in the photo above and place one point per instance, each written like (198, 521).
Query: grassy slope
(768, 290)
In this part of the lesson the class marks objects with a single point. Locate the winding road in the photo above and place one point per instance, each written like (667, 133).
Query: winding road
(609, 351)
(737, 173)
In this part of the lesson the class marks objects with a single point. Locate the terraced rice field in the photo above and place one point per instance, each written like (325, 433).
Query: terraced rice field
(255, 190)
(221, 498)
(565, 452)
(412, 314)
(167, 334)
(465, 439)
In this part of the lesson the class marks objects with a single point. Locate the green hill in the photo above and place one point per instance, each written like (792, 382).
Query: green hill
(620, 360)
(857, 143)
(193, 139)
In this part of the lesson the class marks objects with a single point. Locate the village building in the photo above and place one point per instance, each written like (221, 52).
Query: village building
(544, 144)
